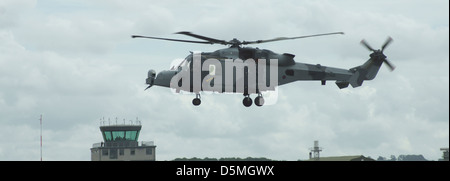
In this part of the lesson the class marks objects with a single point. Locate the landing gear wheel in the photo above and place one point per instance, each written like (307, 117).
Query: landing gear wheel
(196, 101)
(259, 101)
(247, 101)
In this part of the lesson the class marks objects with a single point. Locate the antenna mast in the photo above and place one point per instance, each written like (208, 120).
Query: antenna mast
(41, 134)
(314, 154)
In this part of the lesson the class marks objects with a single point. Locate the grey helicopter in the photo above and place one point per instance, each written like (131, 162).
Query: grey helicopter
(248, 70)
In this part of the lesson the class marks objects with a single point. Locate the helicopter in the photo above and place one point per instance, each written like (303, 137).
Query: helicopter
(248, 70)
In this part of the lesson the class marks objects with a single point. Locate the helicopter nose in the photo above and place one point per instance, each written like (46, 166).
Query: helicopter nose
(163, 78)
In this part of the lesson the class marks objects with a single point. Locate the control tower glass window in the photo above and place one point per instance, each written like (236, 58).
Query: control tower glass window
(131, 135)
(107, 135)
(118, 135)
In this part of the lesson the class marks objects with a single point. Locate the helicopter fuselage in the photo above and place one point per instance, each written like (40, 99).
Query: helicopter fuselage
(242, 70)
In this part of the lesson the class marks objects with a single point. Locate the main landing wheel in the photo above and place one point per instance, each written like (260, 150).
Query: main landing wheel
(196, 101)
(247, 101)
(259, 101)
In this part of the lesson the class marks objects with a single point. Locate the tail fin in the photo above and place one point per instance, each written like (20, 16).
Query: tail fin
(367, 71)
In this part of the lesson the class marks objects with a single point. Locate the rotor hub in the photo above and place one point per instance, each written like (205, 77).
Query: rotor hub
(378, 54)
(235, 42)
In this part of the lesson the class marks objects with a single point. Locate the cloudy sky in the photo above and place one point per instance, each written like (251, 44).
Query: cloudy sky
(74, 62)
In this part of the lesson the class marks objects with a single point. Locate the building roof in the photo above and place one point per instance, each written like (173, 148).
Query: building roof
(343, 158)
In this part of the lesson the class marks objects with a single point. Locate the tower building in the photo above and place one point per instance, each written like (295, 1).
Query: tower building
(315, 151)
(120, 143)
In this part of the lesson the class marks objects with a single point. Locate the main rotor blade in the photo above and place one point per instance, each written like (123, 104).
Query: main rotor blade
(367, 45)
(391, 67)
(211, 40)
(288, 38)
(388, 41)
(168, 39)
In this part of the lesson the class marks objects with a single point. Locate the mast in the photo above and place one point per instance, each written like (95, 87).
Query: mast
(40, 119)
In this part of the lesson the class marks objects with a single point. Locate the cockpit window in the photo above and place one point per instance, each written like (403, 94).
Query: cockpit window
(182, 64)
(185, 62)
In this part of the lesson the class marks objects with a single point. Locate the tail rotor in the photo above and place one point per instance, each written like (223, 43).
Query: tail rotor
(378, 54)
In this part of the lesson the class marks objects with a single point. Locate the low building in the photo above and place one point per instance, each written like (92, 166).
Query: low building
(120, 144)
(342, 158)
(444, 154)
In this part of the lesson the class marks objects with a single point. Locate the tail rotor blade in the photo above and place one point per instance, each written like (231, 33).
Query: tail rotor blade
(391, 67)
(388, 41)
(363, 42)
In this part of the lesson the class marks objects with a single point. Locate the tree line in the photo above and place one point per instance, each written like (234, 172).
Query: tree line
(223, 159)
(380, 158)
(403, 158)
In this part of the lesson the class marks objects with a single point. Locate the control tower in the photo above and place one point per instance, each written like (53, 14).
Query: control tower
(120, 143)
